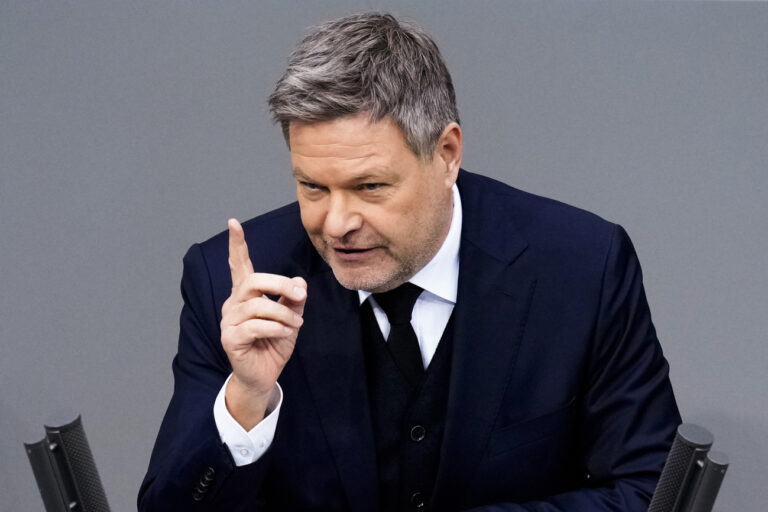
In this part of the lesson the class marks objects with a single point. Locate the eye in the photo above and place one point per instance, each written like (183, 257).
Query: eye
(370, 187)
(310, 186)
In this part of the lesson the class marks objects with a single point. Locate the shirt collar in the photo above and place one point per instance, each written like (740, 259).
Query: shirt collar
(440, 276)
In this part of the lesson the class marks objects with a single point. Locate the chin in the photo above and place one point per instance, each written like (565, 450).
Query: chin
(368, 284)
(377, 283)
(380, 276)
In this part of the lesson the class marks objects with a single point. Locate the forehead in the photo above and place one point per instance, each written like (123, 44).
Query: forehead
(345, 140)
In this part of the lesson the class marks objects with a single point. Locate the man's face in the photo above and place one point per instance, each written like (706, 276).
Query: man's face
(375, 212)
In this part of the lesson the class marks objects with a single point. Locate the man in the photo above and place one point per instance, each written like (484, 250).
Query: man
(408, 335)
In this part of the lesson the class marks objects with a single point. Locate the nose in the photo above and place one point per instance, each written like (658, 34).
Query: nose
(341, 218)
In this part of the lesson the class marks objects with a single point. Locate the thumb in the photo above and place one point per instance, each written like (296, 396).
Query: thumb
(298, 296)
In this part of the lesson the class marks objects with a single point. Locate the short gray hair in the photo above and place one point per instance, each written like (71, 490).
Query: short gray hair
(369, 63)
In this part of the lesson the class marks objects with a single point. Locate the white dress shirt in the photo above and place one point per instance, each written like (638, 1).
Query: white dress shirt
(439, 279)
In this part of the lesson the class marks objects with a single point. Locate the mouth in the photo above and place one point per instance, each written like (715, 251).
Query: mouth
(351, 250)
(352, 254)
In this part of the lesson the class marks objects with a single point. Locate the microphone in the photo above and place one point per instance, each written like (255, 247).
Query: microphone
(709, 483)
(65, 471)
(691, 478)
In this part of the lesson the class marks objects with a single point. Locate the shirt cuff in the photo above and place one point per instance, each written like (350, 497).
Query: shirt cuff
(247, 446)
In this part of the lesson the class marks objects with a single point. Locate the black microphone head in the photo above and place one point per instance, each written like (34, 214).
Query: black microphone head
(709, 482)
(71, 448)
(718, 460)
(694, 436)
(690, 446)
(65, 470)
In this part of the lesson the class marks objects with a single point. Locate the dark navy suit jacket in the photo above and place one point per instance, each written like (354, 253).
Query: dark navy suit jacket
(559, 397)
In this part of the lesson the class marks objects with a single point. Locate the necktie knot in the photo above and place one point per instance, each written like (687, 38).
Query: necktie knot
(398, 303)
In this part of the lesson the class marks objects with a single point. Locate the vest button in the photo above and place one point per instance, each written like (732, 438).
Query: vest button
(417, 500)
(418, 433)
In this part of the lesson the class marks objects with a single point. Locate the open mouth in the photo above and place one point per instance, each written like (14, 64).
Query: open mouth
(353, 254)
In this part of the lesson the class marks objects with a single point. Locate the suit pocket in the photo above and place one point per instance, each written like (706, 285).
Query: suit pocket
(532, 429)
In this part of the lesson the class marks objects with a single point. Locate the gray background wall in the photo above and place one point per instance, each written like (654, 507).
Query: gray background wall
(129, 130)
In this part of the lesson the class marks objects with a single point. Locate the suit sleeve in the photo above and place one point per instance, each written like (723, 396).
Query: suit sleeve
(629, 416)
(190, 468)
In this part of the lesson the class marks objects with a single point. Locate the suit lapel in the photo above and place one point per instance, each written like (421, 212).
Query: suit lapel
(494, 296)
(331, 353)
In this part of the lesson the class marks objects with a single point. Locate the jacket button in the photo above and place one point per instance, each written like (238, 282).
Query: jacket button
(418, 433)
(417, 500)
(209, 473)
(197, 496)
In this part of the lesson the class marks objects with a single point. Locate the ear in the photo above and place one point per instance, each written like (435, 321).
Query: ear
(448, 152)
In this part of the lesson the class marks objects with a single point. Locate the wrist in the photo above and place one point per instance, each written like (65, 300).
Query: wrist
(246, 404)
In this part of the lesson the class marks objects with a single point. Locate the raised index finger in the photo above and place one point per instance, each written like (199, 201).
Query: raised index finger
(239, 262)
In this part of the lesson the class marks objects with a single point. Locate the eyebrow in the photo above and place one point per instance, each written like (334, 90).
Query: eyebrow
(373, 173)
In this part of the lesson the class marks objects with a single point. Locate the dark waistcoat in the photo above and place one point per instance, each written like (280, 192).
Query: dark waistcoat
(408, 421)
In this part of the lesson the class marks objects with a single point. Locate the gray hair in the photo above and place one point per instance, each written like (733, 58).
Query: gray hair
(369, 63)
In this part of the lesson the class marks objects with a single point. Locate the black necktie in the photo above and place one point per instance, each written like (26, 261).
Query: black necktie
(402, 341)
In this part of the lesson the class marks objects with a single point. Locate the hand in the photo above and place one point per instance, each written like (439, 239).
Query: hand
(257, 333)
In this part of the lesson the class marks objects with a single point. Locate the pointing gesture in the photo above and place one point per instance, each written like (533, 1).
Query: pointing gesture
(239, 261)
(257, 333)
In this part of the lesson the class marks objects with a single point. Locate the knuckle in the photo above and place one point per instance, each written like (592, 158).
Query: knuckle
(250, 326)
(226, 338)
(263, 305)
(253, 307)
(264, 328)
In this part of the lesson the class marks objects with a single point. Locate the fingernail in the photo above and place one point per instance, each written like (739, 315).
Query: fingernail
(299, 293)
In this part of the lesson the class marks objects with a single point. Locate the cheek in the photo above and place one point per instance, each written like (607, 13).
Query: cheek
(311, 218)
(397, 226)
